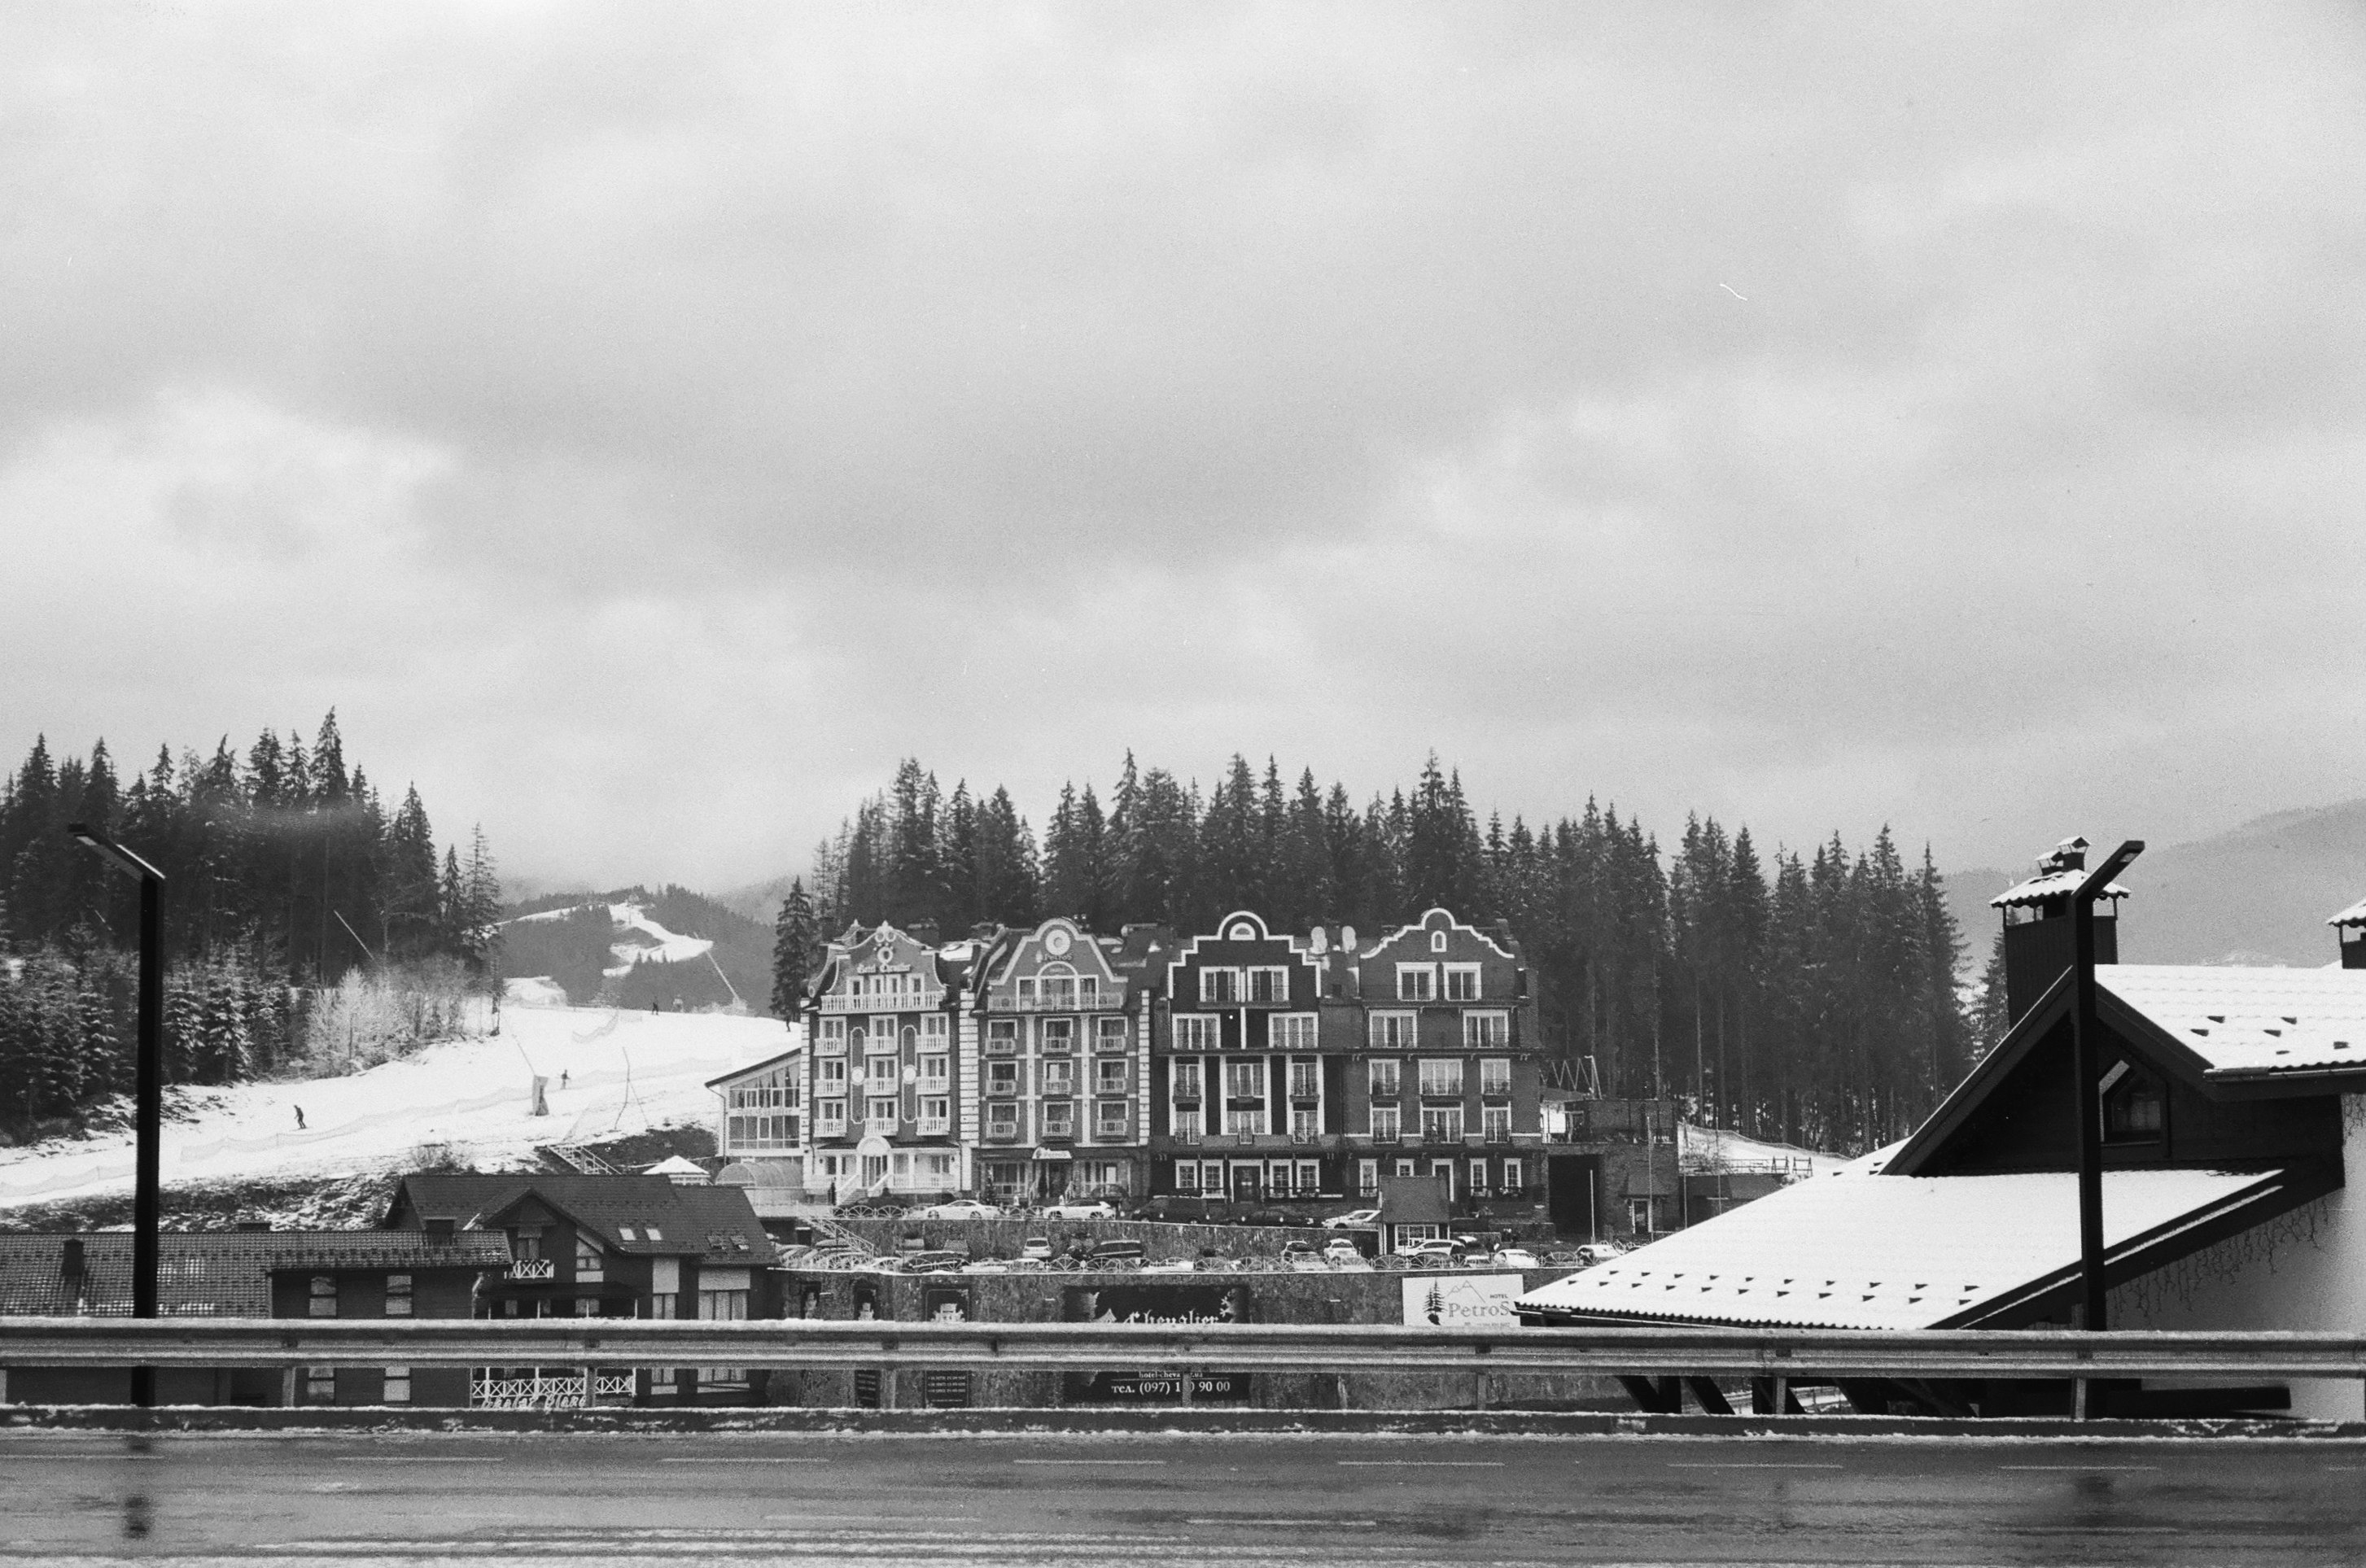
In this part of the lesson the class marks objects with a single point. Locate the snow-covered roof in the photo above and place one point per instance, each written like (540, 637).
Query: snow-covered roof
(1858, 1250)
(2354, 915)
(2052, 885)
(2250, 1020)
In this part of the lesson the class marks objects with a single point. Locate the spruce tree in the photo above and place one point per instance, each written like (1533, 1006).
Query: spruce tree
(797, 946)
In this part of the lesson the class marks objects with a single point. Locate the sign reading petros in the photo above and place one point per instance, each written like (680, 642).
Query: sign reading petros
(1462, 1301)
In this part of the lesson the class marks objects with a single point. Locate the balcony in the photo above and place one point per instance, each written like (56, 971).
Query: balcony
(1059, 1132)
(1002, 1132)
(1442, 1136)
(1080, 1001)
(1495, 1088)
(1392, 1137)
(926, 999)
(1001, 1046)
(1002, 1090)
(935, 1127)
(1186, 1136)
(1497, 1134)
(534, 1269)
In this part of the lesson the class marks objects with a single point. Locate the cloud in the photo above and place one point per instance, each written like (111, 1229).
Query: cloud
(647, 427)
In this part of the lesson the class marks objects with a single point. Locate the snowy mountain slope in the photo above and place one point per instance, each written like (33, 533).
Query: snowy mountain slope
(624, 1071)
(658, 945)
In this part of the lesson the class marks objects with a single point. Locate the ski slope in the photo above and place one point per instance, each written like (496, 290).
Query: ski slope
(624, 1072)
(664, 947)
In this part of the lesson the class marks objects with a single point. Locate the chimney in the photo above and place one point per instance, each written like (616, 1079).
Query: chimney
(2350, 929)
(2037, 944)
(438, 1229)
(70, 1265)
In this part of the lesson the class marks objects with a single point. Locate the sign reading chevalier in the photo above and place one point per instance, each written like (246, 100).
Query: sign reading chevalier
(1193, 1304)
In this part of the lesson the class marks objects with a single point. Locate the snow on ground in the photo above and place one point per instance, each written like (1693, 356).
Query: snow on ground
(1713, 1148)
(663, 947)
(624, 1072)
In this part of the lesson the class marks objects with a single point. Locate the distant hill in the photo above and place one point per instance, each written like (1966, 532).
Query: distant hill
(759, 902)
(2257, 894)
(630, 947)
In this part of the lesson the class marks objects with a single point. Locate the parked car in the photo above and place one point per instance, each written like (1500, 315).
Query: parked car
(931, 1263)
(1096, 1209)
(1443, 1249)
(1514, 1257)
(1595, 1252)
(957, 1208)
(1354, 1219)
(1178, 1208)
(1298, 1249)
(1340, 1249)
(1114, 1254)
(1036, 1246)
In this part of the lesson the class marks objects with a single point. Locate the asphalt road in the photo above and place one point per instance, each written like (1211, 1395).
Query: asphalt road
(1150, 1501)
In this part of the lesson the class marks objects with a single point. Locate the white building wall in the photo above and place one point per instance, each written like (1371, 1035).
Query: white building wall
(2304, 1272)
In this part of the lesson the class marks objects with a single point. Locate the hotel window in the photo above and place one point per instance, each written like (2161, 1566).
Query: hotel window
(938, 1167)
(830, 1118)
(319, 1386)
(1059, 1036)
(1026, 991)
(1186, 1079)
(1478, 1175)
(769, 1092)
(1196, 1032)
(936, 1113)
(1441, 1123)
(1441, 1075)
(1088, 991)
(2134, 1108)
(881, 1114)
(1290, 1032)
(1383, 1078)
(1109, 1077)
(1495, 1122)
(1437, 941)
(1219, 987)
(882, 1072)
(1495, 1076)
(832, 1076)
(323, 1301)
(1443, 1170)
(1386, 1122)
(1303, 1121)
(936, 1033)
(1511, 1176)
(397, 1386)
(1268, 982)
(1059, 1078)
(936, 1074)
(1251, 1120)
(1486, 1031)
(1001, 1036)
(1404, 1167)
(1305, 1079)
(398, 1296)
(883, 1034)
(1109, 1034)
(1461, 982)
(1244, 1080)
(1212, 1176)
(1002, 1077)
(1002, 1119)
(589, 1263)
(1059, 1118)
(1187, 1175)
(1638, 1215)
(1416, 982)
(1058, 991)
(833, 1035)
(1391, 1032)
(1109, 1119)
(1368, 1178)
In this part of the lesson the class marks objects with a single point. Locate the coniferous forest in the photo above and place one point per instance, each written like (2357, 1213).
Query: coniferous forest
(297, 909)
(1805, 995)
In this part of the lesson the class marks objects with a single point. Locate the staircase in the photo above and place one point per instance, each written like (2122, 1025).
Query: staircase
(826, 1229)
(574, 1160)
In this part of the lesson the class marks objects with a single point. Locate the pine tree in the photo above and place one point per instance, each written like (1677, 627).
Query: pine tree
(797, 946)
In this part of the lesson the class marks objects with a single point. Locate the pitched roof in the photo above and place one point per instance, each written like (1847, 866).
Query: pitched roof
(2354, 915)
(2249, 1021)
(714, 1223)
(1856, 1250)
(2050, 885)
(738, 1073)
(214, 1273)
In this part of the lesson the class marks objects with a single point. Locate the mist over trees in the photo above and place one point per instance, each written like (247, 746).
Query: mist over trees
(1806, 996)
(304, 922)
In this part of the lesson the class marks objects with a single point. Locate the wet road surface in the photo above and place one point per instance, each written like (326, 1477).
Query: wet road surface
(411, 1499)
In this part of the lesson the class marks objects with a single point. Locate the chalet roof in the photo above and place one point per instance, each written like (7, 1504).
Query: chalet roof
(1412, 1199)
(1860, 1250)
(736, 1073)
(714, 1223)
(216, 1273)
(2249, 1022)
(2049, 884)
(2354, 915)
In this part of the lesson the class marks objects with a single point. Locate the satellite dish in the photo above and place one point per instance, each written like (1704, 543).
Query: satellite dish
(1346, 936)
(1317, 941)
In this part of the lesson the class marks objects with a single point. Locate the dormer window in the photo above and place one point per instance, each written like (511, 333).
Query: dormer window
(2136, 1107)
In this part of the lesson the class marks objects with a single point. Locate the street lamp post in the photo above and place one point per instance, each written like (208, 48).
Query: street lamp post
(148, 1093)
(2085, 1047)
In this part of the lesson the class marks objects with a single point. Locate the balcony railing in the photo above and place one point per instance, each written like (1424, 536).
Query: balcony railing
(1441, 1134)
(1097, 1002)
(1497, 1134)
(1002, 1090)
(935, 1127)
(534, 1269)
(926, 999)
(1059, 1132)
(1002, 1132)
(1391, 1136)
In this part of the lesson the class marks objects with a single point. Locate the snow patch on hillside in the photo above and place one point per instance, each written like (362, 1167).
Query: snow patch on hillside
(652, 943)
(622, 1072)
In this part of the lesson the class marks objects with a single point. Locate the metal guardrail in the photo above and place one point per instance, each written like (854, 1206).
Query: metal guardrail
(1281, 1348)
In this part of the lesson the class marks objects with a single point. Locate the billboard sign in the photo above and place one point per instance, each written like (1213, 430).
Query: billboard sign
(1160, 1302)
(1461, 1301)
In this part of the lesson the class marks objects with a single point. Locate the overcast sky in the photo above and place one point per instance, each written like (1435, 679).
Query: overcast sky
(645, 424)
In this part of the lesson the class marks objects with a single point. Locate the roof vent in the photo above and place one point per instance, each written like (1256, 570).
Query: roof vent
(70, 1264)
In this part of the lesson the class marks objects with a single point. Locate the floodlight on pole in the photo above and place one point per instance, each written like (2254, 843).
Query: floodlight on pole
(148, 1087)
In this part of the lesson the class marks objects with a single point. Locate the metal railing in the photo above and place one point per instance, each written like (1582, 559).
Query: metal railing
(597, 1342)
